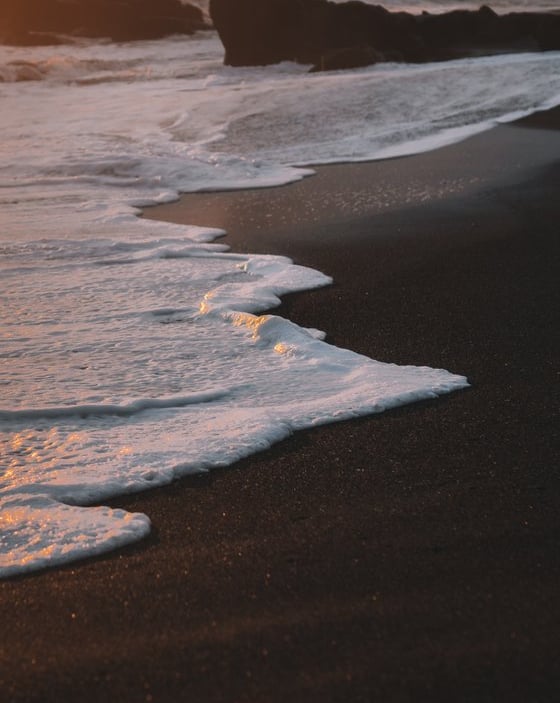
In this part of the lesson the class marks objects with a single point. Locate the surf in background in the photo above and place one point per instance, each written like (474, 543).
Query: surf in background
(418, 6)
(135, 352)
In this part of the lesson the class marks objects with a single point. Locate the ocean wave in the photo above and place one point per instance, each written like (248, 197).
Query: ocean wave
(102, 410)
(81, 339)
(65, 68)
(19, 71)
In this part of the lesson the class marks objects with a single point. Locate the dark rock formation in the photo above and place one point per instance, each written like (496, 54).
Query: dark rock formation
(31, 22)
(331, 35)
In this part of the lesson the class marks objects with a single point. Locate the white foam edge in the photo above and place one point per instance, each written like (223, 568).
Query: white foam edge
(447, 137)
(36, 522)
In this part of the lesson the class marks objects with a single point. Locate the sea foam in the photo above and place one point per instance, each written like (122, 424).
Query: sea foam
(251, 381)
(136, 352)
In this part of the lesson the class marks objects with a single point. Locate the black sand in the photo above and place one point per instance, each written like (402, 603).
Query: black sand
(410, 556)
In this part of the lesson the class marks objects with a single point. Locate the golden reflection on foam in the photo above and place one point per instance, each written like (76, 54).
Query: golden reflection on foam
(17, 442)
(29, 446)
(10, 517)
(205, 306)
(252, 322)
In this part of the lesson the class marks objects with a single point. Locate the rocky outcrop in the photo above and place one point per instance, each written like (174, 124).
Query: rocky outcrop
(31, 22)
(342, 35)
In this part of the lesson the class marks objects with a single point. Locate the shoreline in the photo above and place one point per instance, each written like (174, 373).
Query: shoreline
(383, 217)
(407, 556)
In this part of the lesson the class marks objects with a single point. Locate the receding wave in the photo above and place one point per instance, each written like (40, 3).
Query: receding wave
(88, 338)
(64, 68)
(124, 410)
(18, 71)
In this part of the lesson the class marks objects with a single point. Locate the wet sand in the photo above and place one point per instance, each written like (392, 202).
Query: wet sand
(409, 556)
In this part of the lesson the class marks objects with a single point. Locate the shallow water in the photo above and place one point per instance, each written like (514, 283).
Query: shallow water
(133, 352)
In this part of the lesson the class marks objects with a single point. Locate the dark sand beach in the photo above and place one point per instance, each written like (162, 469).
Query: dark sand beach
(409, 556)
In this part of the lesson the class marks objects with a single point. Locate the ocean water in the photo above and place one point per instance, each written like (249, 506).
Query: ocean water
(437, 6)
(417, 6)
(134, 352)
